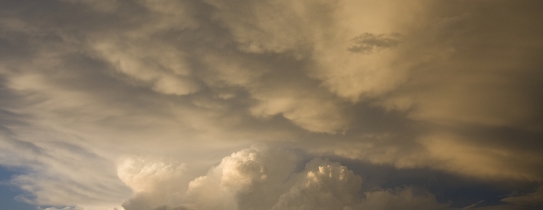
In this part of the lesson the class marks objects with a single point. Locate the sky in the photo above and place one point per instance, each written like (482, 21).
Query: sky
(271, 105)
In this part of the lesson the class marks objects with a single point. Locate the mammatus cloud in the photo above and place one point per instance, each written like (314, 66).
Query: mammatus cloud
(348, 104)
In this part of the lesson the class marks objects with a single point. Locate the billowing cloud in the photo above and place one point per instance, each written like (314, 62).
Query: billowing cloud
(347, 104)
(249, 179)
(263, 177)
(323, 185)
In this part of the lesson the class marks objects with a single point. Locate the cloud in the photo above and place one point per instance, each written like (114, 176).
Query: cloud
(167, 76)
(533, 199)
(406, 198)
(323, 185)
(65, 208)
(274, 26)
(109, 6)
(472, 83)
(132, 103)
(264, 177)
(170, 208)
(143, 174)
(248, 179)
(53, 175)
(367, 42)
(479, 161)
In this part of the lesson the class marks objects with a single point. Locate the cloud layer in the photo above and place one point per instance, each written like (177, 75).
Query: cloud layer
(239, 104)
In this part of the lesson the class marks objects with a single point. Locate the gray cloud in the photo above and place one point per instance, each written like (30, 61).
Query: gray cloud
(533, 199)
(368, 42)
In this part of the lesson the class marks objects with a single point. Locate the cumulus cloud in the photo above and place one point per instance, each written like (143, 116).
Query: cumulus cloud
(263, 177)
(142, 174)
(248, 179)
(323, 185)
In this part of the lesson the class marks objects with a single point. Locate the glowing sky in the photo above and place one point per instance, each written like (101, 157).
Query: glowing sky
(271, 105)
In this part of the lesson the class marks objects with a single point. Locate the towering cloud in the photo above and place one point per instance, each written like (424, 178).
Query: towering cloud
(270, 178)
